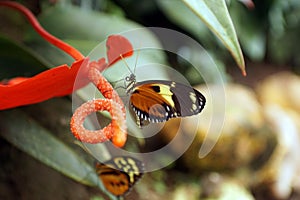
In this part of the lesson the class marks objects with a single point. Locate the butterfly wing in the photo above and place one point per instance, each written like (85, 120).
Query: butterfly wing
(158, 101)
(116, 182)
(119, 174)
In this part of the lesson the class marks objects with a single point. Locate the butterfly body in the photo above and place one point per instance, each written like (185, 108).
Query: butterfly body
(119, 174)
(160, 100)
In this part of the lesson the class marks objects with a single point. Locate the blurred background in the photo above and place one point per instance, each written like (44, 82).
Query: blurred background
(256, 156)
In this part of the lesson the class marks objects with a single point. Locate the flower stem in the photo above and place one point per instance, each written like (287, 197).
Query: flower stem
(47, 36)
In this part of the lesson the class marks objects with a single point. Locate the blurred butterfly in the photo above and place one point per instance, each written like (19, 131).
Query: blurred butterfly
(159, 100)
(119, 174)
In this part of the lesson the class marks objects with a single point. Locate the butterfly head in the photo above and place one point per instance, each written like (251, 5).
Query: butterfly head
(130, 82)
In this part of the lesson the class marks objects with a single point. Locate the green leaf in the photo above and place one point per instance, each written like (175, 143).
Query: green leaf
(251, 31)
(26, 134)
(187, 20)
(215, 15)
(17, 60)
(191, 23)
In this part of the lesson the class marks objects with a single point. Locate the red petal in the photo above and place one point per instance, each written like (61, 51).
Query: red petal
(15, 80)
(117, 45)
(58, 81)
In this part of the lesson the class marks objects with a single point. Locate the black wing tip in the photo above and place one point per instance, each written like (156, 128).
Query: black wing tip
(201, 98)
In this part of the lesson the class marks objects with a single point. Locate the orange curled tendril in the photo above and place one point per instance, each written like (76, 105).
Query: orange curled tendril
(117, 129)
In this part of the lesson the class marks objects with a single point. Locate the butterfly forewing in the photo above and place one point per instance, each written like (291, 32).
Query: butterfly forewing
(158, 101)
(119, 174)
(150, 103)
(189, 101)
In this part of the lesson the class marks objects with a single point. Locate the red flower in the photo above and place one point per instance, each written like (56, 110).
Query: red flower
(59, 81)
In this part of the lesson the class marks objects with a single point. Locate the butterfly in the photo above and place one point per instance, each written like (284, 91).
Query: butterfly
(119, 174)
(160, 100)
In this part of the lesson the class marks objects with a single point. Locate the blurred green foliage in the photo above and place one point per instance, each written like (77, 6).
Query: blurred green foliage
(270, 31)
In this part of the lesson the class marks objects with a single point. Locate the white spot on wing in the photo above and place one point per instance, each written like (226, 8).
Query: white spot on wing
(193, 97)
(194, 107)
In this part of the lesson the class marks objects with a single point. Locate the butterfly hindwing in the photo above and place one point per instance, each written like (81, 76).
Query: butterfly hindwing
(158, 101)
(119, 174)
(114, 181)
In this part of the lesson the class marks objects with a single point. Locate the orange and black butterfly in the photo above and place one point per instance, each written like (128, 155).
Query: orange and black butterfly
(119, 174)
(160, 100)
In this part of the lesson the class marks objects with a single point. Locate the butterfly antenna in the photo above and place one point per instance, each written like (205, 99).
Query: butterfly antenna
(138, 53)
(126, 64)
